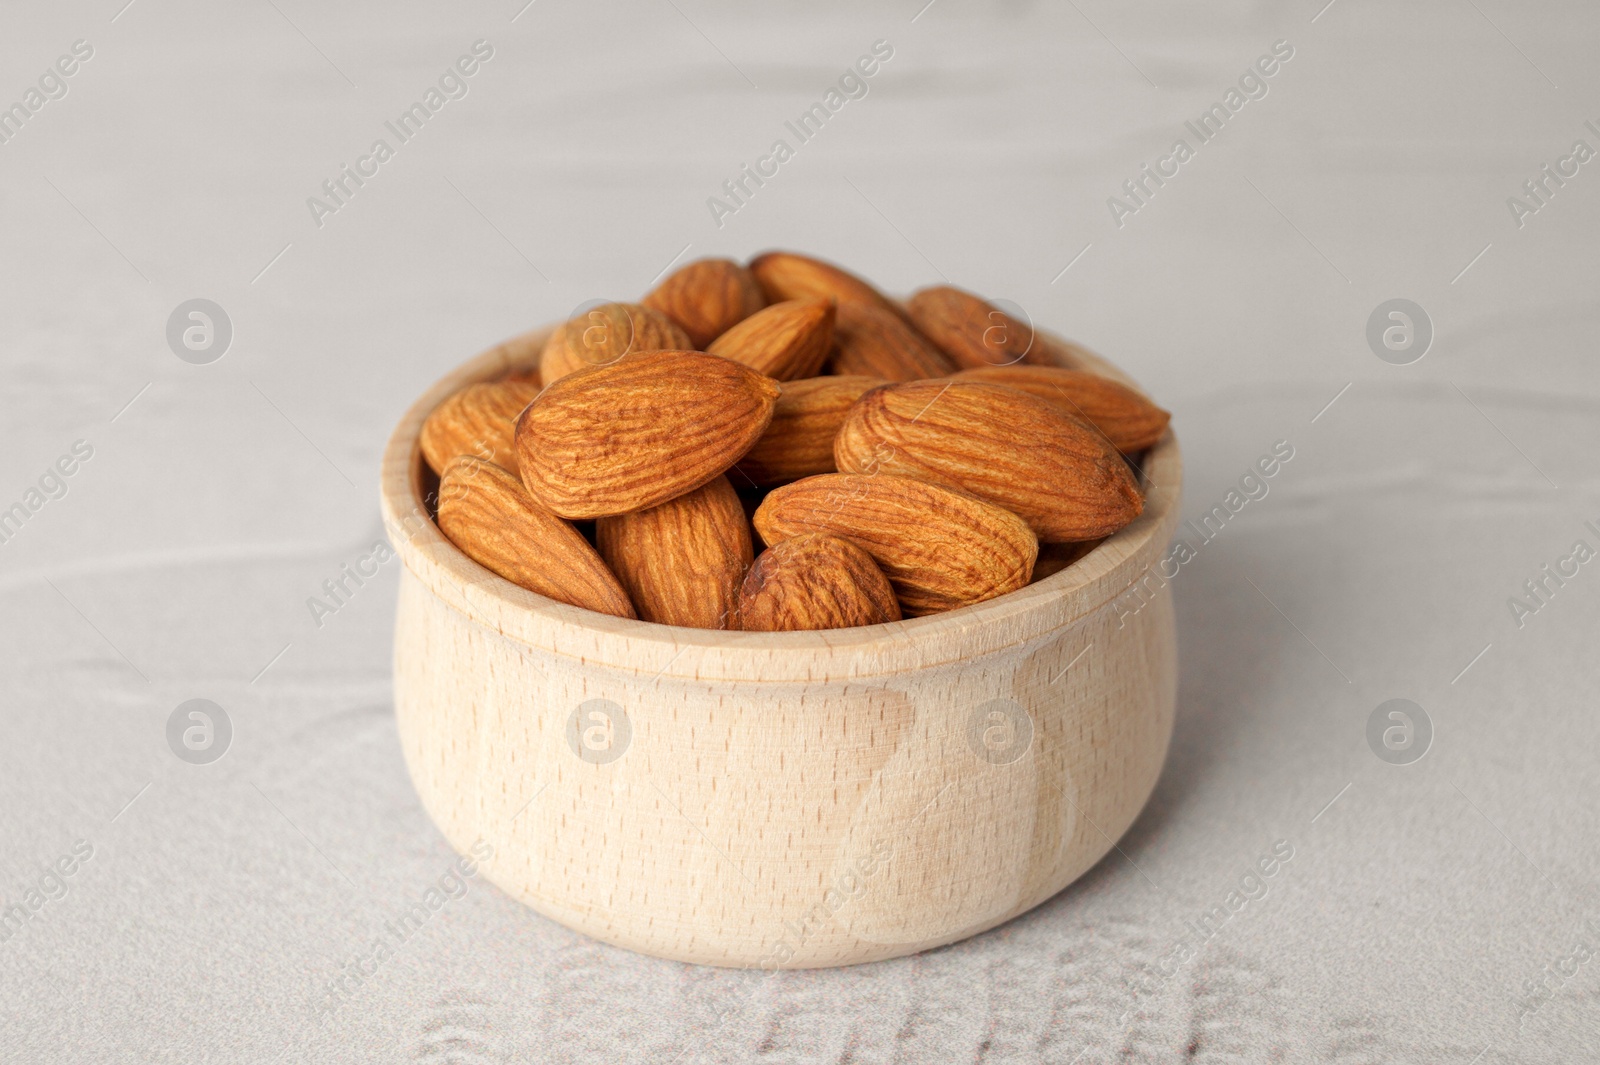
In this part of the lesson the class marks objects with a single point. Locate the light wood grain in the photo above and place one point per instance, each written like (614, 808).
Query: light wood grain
(785, 799)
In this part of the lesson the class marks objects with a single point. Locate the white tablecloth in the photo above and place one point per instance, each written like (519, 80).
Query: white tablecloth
(1431, 911)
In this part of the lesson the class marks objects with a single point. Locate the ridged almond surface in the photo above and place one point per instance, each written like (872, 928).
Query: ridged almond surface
(605, 334)
(940, 547)
(799, 440)
(706, 298)
(623, 437)
(1059, 474)
(785, 341)
(786, 276)
(485, 511)
(871, 340)
(478, 420)
(972, 331)
(1129, 420)
(682, 561)
(815, 581)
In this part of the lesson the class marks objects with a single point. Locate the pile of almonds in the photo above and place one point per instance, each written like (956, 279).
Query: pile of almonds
(889, 460)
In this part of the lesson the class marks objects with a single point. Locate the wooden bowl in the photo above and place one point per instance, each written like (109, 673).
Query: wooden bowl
(780, 799)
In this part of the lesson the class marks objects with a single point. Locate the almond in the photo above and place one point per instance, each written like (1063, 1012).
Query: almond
(1067, 353)
(1129, 420)
(485, 512)
(478, 420)
(940, 547)
(815, 581)
(603, 335)
(681, 561)
(874, 341)
(799, 440)
(1059, 474)
(786, 276)
(971, 331)
(619, 438)
(707, 298)
(784, 341)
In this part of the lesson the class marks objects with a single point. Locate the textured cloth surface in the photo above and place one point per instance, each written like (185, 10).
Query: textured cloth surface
(1433, 911)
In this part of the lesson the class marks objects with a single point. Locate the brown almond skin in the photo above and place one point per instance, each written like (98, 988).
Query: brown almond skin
(1129, 420)
(605, 334)
(620, 438)
(485, 512)
(799, 440)
(870, 340)
(971, 331)
(478, 420)
(1065, 353)
(706, 298)
(815, 581)
(940, 547)
(784, 275)
(681, 562)
(785, 341)
(1062, 476)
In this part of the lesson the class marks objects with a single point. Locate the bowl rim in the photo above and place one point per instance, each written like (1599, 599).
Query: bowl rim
(708, 655)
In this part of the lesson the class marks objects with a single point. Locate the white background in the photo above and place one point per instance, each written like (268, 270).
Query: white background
(219, 905)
